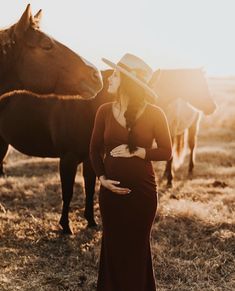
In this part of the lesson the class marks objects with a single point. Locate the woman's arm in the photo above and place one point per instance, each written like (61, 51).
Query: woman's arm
(163, 152)
(161, 133)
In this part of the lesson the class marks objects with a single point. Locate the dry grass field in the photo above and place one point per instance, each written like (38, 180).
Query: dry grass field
(193, 238)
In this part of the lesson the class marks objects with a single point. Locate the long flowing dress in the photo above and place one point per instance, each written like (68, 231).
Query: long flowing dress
(125, 259)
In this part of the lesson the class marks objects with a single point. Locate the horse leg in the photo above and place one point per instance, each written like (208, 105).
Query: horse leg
(68, 168)
(169, 173)
(3, 151)
(89, 179)
(192, 139)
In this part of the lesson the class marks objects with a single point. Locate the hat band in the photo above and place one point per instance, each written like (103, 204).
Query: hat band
(139, 73)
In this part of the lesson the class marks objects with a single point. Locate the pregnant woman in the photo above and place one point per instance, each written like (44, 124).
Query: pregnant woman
(121, 152)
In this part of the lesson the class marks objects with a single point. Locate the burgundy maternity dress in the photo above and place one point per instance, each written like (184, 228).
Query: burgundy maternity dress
(125, 260)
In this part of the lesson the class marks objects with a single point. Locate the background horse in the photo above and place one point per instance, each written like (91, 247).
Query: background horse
(178, 91)
(30, 59)
(181, 94)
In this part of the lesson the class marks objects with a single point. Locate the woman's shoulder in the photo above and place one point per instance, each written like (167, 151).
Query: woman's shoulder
(105, 107)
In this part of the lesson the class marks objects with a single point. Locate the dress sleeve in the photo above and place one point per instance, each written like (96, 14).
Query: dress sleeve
(161, 133)
(97, 142)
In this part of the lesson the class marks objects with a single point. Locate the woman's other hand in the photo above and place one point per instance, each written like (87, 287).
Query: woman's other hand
(111, 185)
(122, 151)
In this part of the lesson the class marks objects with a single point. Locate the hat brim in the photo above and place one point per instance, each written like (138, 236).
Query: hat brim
(130, 75)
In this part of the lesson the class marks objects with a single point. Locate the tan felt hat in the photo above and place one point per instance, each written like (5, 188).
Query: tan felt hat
(136, 69)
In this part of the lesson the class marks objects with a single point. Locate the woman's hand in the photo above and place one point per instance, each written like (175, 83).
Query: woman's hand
(122, 151)
(110, 184)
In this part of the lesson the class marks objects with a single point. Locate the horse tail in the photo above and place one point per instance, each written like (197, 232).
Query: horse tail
(179, 149)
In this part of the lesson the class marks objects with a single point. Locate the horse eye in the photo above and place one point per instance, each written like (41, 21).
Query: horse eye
(46, 43)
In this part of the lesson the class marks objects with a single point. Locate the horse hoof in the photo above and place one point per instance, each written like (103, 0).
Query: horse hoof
(173, 196)
(65, 229)
(92, 224)
(169, 185)
(190, 175)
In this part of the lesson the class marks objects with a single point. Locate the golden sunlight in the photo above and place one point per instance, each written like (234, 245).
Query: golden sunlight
(167, 34)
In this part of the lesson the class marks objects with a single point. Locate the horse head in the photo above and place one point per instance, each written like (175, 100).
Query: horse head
(32, 60)
(187, 84)
(103, 96)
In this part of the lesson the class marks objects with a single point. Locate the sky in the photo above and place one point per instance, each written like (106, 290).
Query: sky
(165, 33)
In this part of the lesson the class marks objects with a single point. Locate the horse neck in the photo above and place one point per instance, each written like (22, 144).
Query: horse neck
(163, 102)
(8, 58)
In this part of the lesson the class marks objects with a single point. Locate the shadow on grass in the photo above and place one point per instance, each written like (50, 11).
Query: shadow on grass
(30, 168)
(51, 263)
(187, 253)
(192, 253)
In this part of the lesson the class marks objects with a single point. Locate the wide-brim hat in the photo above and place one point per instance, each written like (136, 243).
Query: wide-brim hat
(136, 69)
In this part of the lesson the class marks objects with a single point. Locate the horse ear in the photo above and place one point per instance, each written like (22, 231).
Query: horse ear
(38, 15)
(23, 24)
(37, 18)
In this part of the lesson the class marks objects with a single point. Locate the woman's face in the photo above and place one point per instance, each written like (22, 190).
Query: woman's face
(114, 82)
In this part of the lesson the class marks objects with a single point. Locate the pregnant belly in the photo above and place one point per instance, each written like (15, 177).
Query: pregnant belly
(130, 172)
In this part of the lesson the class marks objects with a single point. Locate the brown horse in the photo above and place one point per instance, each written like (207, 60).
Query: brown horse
(54, 126)
(176, 90)
(30, 59)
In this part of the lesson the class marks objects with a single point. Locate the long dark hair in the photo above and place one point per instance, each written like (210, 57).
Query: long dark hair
(136, 98)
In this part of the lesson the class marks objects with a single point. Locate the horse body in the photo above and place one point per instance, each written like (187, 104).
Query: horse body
(48, 129)
(182, 92)
(32, 60)
(180, 115)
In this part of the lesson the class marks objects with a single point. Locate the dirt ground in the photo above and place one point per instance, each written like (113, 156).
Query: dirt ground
(193, 238)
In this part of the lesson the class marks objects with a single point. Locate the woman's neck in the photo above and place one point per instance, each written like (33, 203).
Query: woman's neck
(122, 103)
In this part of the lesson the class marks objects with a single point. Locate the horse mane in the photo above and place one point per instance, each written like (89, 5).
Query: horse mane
(51, 96)
(7, 40)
